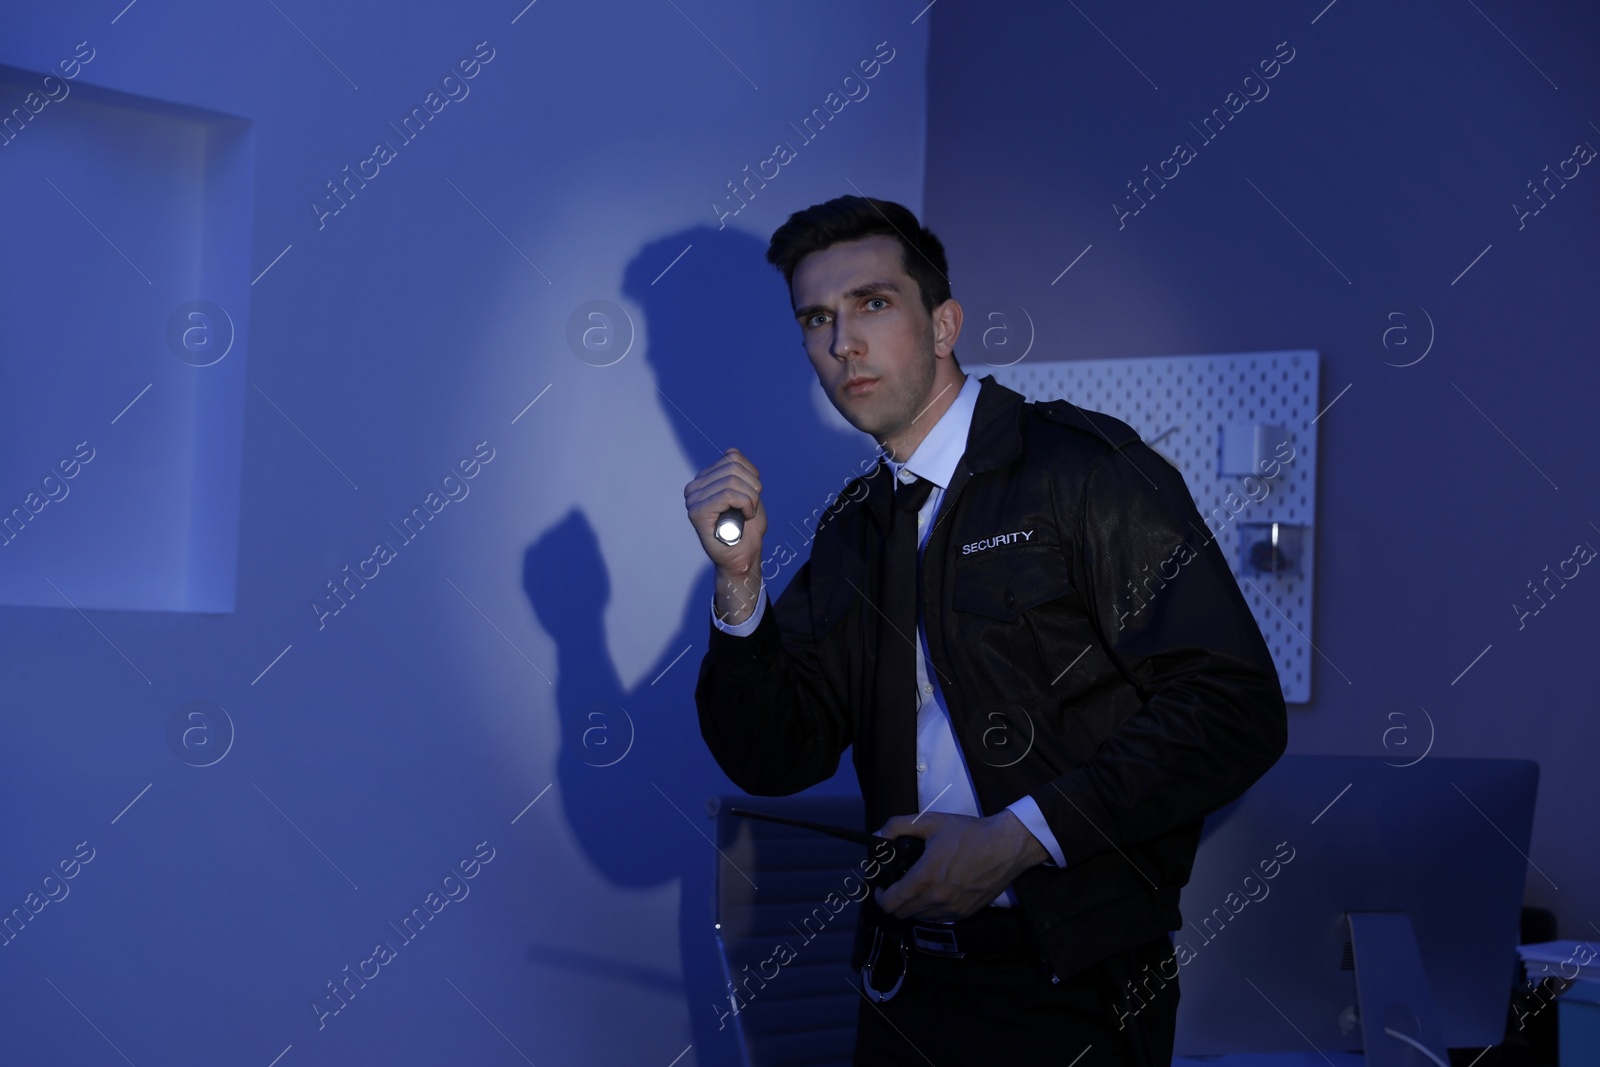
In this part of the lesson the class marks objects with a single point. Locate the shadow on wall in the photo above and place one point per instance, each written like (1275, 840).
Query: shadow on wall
(634, 772)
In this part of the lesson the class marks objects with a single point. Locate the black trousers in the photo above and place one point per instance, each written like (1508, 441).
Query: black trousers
(1004, 1009)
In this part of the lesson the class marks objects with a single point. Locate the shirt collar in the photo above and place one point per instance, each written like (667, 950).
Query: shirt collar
(936, 456)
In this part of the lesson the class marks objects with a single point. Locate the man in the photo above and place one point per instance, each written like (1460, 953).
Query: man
(1050, 676)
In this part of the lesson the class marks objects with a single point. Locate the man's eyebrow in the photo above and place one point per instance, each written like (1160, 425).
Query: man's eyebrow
(863, 290)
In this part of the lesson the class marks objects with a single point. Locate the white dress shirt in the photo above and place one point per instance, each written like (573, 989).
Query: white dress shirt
(943, 781)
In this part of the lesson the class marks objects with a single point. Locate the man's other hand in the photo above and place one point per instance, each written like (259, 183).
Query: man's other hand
(966, 863)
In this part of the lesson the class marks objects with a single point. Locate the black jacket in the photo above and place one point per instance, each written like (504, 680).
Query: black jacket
(1102, 660)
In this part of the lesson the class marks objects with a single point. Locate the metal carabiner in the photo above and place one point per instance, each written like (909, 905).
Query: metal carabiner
(872, 958)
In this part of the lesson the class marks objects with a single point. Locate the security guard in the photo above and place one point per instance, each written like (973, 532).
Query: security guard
(1043, 664)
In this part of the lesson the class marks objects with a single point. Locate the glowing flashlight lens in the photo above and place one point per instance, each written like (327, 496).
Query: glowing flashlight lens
(730, 527)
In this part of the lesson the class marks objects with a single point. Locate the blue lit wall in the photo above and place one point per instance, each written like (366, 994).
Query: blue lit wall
(253, 779)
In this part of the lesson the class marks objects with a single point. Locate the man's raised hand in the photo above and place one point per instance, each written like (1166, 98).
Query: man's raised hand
(730, 482)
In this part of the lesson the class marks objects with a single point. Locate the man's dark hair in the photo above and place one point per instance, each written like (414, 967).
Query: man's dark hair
(847, 218)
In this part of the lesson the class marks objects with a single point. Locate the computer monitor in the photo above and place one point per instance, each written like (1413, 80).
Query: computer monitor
(1425, 863)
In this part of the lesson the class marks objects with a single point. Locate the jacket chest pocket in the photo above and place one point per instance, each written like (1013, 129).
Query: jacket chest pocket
(1010, 581)
(992, 597)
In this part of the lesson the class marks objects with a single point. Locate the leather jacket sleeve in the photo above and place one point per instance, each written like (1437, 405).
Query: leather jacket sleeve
(1173, 621)
(771, 713)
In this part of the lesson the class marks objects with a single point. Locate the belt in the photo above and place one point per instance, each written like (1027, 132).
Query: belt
(987, 932)
(991, 931)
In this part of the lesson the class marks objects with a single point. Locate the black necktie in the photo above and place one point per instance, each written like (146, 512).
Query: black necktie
(893, 790)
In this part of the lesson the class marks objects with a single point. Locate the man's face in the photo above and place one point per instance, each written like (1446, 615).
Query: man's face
(861, 320)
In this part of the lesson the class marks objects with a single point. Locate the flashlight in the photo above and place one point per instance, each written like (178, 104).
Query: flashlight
(730, 526)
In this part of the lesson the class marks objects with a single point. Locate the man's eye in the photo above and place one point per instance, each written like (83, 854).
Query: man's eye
(877, 300)
(812, 321)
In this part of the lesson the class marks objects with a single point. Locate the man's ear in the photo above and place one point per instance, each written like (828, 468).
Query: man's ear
(947, 318)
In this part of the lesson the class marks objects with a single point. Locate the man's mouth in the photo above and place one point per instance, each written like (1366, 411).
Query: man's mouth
(857, 386)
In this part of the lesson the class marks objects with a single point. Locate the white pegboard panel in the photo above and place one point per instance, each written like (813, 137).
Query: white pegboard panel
(1179, 405)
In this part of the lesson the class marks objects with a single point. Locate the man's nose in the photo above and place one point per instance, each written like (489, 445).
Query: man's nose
(846, 342)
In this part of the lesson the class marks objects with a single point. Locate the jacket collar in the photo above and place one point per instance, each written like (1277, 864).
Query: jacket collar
(993, 440)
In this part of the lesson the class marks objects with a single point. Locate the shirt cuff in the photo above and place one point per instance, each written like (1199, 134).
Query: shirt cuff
(1027, 812)
(748, 627)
